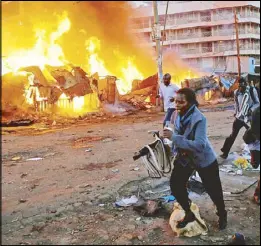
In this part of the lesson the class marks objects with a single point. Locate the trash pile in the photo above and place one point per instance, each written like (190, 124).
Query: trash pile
(237, 163)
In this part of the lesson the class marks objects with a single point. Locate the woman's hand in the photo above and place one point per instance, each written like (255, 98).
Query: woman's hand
(167, 134)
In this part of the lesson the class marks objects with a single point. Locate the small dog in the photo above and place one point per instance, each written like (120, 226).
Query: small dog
(195, 228)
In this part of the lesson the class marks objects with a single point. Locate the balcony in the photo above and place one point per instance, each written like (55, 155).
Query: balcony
(210, 37)
(206, 51)
(175, 23)
(206, 34)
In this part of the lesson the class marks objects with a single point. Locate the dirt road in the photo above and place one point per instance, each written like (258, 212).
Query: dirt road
(59, 187)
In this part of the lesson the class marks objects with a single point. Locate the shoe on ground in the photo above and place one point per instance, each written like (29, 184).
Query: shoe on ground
(224, 156)
(189, 217)
(222, 221)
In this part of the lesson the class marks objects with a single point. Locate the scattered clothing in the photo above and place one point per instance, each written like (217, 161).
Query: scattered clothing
(168, 198)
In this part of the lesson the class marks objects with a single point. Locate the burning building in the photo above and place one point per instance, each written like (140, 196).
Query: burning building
(54, 56)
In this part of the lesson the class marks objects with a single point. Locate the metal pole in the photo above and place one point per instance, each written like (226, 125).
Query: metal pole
(157, 35)
(237, 42)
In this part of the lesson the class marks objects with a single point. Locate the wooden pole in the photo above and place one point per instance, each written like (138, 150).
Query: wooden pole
(158, 47)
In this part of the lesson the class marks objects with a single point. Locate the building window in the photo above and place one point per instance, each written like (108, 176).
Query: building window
(206, 32)
(205, 16)
(206, 47)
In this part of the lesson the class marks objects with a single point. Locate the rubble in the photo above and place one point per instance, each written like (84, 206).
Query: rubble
(17, 123)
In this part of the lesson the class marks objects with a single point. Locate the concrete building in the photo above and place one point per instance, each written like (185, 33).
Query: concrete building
(203, 32)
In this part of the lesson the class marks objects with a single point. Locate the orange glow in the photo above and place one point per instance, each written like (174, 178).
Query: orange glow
(45, 52)
(78, 103)
(126, 75)
(95, 64)
(129, 73)
(98, 41)
(207, 95)
(147, 100)
(63, 96)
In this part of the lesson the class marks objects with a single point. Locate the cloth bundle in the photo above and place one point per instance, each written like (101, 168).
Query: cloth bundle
(195, 228)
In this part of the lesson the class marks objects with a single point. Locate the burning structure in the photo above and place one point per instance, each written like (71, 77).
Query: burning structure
(73, 62)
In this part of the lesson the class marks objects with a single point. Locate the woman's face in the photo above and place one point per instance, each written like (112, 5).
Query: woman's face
(181, 102)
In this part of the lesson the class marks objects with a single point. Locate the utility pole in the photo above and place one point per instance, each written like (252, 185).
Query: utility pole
(157, 37)
(237, 42)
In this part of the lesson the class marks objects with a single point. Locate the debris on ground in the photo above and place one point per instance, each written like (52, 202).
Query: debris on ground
(148, 208)
(22, 200)
(115, 170)
(237, 239)
(168, 198)
(241, 163)
(23, 175)
(35, 159)
(126, 202)
(135, 169)
(17, 123)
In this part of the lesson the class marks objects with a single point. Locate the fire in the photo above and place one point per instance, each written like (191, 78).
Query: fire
(95, 64)
(46, 51)
(126, 75)
(129, 73)
(63, 96)
(78, 103)
(147, 100)
(208, 95)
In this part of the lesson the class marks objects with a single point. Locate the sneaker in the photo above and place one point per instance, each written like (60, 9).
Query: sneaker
(189, 217)
(224, 156)
(222, 221)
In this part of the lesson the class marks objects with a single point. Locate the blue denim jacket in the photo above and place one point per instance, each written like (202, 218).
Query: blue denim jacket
(195, 140)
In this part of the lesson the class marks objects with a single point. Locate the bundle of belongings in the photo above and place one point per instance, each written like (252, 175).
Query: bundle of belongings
(195, 228)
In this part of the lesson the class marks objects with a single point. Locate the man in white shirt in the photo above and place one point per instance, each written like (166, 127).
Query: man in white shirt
(252, 102)
(167, 92)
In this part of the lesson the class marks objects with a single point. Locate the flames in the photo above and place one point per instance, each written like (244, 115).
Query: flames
(48, 51)
(126, 74)
(95, 63)
(106, 53)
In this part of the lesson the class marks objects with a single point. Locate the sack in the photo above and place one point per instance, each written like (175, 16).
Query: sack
(192, 229)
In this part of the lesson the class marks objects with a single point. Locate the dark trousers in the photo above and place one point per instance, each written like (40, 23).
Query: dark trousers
(168, 115)
(237, 125)
(210, 179)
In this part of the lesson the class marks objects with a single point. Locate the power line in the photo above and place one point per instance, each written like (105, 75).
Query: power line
(166, 16)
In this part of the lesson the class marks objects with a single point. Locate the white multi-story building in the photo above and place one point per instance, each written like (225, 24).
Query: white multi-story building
(203, 32)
